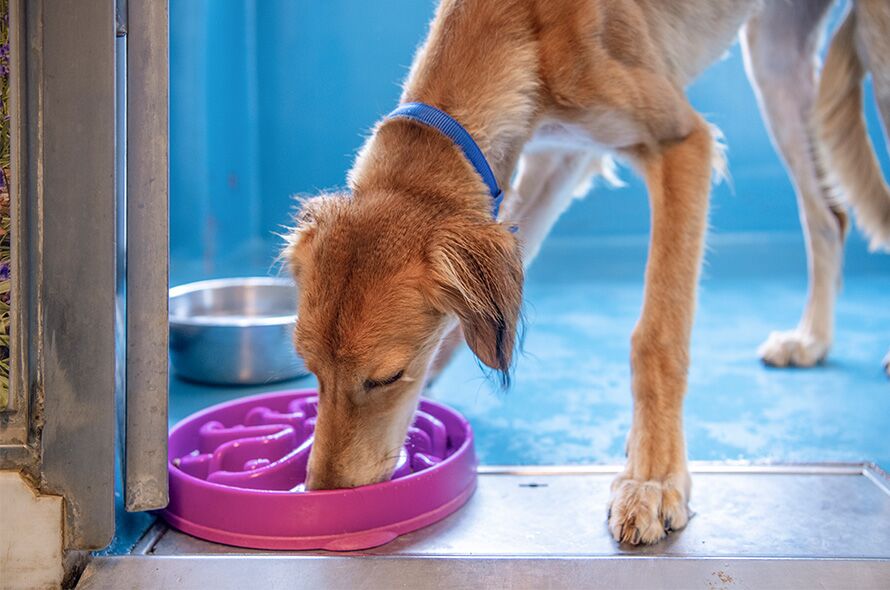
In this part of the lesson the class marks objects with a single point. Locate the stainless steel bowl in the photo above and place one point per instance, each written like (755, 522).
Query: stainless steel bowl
(234, 331)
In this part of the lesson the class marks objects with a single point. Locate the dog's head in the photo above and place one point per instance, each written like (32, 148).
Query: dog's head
(379, 284)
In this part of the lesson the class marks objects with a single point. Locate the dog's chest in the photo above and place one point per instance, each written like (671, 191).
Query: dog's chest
(606, 135)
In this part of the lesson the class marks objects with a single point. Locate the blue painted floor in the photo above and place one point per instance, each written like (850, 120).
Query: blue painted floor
(570, 402)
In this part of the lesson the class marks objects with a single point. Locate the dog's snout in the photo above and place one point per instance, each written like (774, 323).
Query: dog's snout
(333, 472)
(315, 481)
(324, 475)
(334, 479)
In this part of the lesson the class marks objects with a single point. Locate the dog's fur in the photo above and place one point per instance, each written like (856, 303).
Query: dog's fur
(861, 45)
(820, 131)
(390, 270)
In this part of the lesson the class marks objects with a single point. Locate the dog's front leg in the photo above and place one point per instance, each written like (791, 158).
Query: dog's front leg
(650, 497)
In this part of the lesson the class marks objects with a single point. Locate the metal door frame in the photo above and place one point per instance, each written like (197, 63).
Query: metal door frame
(59, 429)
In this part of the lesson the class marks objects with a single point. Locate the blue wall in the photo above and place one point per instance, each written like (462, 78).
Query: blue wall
(271, 99)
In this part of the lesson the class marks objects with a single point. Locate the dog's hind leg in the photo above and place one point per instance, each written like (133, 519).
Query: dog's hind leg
(780, 47)
(546, 182)
(650, 497)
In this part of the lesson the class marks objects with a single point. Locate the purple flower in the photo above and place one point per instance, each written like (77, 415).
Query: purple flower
(4, 271)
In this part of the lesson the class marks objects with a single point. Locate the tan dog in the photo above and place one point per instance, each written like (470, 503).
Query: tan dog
(551, 87)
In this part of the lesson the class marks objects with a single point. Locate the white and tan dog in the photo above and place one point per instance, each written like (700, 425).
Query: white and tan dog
(850, 173)
(548, 87)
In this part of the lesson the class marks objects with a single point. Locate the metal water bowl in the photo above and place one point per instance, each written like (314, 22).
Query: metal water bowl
(234, 331)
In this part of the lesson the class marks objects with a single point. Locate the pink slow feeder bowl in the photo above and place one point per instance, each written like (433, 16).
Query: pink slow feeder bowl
(237, 472)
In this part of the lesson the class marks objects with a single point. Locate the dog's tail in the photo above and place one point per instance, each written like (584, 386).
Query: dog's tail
(843, 137)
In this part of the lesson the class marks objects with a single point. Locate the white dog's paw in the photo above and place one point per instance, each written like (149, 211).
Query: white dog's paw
(646, 511)
(795, 348)
(887, 363)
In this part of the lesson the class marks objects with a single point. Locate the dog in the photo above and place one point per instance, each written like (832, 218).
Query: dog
(849, 173)
(411, 257)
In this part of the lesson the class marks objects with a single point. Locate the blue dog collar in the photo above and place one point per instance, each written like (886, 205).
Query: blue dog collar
(445, 124)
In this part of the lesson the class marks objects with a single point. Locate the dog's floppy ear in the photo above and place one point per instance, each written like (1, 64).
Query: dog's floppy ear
(310, 216)
(478, 271)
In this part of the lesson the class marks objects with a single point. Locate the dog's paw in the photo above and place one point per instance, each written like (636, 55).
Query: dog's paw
(794, 348)
(646, 511)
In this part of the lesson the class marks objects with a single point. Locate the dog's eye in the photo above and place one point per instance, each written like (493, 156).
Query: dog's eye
(373, 383)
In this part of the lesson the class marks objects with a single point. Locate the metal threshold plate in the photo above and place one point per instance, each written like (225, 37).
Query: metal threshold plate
(824, 526)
